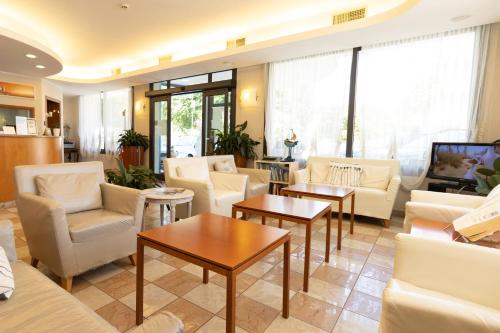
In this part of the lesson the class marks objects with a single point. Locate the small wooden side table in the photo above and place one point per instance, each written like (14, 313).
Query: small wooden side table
(162, 197)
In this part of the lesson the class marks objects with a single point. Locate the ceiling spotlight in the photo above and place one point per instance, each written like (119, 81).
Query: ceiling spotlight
(31, 56)
(40, 66)
(460, 18)
(124, 6)
(228, 63)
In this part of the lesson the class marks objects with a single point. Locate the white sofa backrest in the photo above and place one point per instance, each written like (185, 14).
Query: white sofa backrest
(25, 175)
(394, 165)
(170, 165)
(219, 158)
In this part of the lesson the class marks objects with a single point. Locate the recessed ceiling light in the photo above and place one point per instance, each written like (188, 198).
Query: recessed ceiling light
(228, 63)
(460, 18)
(31, 56)
(40, 66)
(124, 6)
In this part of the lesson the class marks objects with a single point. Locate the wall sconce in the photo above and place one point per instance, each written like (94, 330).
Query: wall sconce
(248, 97)
(140, 106)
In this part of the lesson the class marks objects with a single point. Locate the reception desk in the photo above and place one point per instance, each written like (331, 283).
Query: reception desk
(25, 150)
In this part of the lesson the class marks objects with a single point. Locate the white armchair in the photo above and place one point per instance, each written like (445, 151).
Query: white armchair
(258, 179)
(442, 287)
(65, 234)
(213, 191)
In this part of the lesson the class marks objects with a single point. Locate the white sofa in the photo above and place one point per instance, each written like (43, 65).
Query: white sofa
(258, 179)
(39, 305)
(375, 197)
(214, 192)
(442, 207)
(442, 287)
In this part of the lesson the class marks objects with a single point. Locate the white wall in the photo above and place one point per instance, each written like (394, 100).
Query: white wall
(141, 113)
(71, 115)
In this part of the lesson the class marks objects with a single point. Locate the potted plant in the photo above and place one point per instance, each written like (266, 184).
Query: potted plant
(132, 146)
(237, 143)
(138, 177)
(487, 179)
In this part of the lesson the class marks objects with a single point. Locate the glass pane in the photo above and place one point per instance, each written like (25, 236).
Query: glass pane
(160, 135)
(221, 76)
(187, 81)
(160, 85)
(216, 119)
(186, 125)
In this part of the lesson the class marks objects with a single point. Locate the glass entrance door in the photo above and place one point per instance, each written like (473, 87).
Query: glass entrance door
(217, 116)
(159, 140)
(186, 125)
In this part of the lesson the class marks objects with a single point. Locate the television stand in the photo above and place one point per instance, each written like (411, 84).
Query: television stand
(444, 187)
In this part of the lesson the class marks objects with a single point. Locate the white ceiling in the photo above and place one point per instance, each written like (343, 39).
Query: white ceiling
(94, 36)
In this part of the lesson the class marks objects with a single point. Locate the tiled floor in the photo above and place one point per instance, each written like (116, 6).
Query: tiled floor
(344, 295)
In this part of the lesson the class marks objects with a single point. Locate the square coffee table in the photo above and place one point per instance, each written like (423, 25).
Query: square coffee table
(328, 192)
(217, 243)
(294, 210)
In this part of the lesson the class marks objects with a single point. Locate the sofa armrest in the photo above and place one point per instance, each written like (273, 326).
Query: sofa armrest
(465, 271)
(450, 199)
(414, 310)
(124, 200)
(256, 175)
(229, 181)
(163, 322)
(301, 176)
(432, 212)
(7, 239)
(204, 198)
(393, 188)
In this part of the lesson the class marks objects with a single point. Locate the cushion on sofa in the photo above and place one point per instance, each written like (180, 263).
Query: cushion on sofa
(375, 177)
(6, 276)
(344, 174)
(92, 224)
(319, 172)
(75, 192)
(225, 166)
(192, 171)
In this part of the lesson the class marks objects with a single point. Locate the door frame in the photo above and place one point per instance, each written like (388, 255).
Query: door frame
(207, 108)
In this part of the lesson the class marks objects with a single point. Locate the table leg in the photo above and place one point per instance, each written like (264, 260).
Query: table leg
(352, 214)
(233, 213)
(307, 257)
(280, 223)
(339, 227)
(231, 303)
(140, 283)
(190, 208)
(244, 216)
(172, 213)
(328, 232)
(263, 219)
(286, 280)
(205, 275)
(162, 213)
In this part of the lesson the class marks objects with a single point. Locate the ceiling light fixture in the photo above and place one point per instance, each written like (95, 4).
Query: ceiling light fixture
(124, 6)
(40, 66)
(31, 56)
(460, 18)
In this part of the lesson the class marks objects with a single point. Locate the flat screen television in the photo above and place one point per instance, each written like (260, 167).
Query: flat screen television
(458, 162)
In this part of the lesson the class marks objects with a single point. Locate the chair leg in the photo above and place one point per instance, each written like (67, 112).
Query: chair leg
(34, 262)
(133, 259)
(387, 223)
(67, 283)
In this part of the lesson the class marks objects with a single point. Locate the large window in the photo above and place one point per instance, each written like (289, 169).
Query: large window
(408, 94)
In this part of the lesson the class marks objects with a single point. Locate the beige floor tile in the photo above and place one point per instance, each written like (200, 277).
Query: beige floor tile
(297, 265)
(335, 276)
(258, 269)
(291, 324)
(351, 253)
(154, 299)
(275, 276)
(192, 316)
(364, 304)
(314, 312)
(350, 322)
(369, 286)
(154, 269)
(178, 282)
(217, 325)
(366, 230)
(172, 261)
(267, 293)
(273, 258)
(118, 285)
(379, 260)
(243, 281)
(384, 250)
(208, 296)
(93, 297)
(356, 244)
(377, 272)
(350, 265)
(119, 315)
(22, 251)
(196, 270)
(385, 242)
(102, 273)
(328, 292)
(152, 252)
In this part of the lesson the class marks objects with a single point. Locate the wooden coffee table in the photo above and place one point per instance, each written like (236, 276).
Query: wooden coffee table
(333, 193)
(217, 243)
(293, 210)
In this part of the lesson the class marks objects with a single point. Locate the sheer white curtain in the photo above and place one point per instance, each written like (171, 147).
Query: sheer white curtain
(116, 117)
(90, 125)
(309, 95)
(411, 93)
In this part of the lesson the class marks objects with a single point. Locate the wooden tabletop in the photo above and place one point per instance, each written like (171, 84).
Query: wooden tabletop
(286, 206)
(320, 190)
(220, 240)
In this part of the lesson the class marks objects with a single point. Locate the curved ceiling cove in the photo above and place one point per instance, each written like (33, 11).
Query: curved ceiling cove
(101, 41)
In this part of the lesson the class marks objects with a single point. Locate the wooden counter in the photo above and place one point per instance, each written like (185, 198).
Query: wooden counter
(25, 150)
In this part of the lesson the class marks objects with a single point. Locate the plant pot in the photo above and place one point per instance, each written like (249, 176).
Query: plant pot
(133, 155)
(240, 161)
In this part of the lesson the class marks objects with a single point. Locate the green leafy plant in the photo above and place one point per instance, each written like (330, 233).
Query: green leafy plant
(130, 138)
(235, 142)
(487, 179)
(135, 177)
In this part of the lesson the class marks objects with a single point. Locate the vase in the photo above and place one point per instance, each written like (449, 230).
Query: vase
(239, 160)
(132, 155)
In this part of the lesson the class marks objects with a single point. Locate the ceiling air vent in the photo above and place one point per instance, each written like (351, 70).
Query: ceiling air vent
(234, 43)
(349, 16)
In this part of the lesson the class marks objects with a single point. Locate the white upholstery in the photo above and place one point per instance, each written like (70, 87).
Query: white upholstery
(215, 194)
(7, 239)
(442, 287)
(439, 206)
(375, 197)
